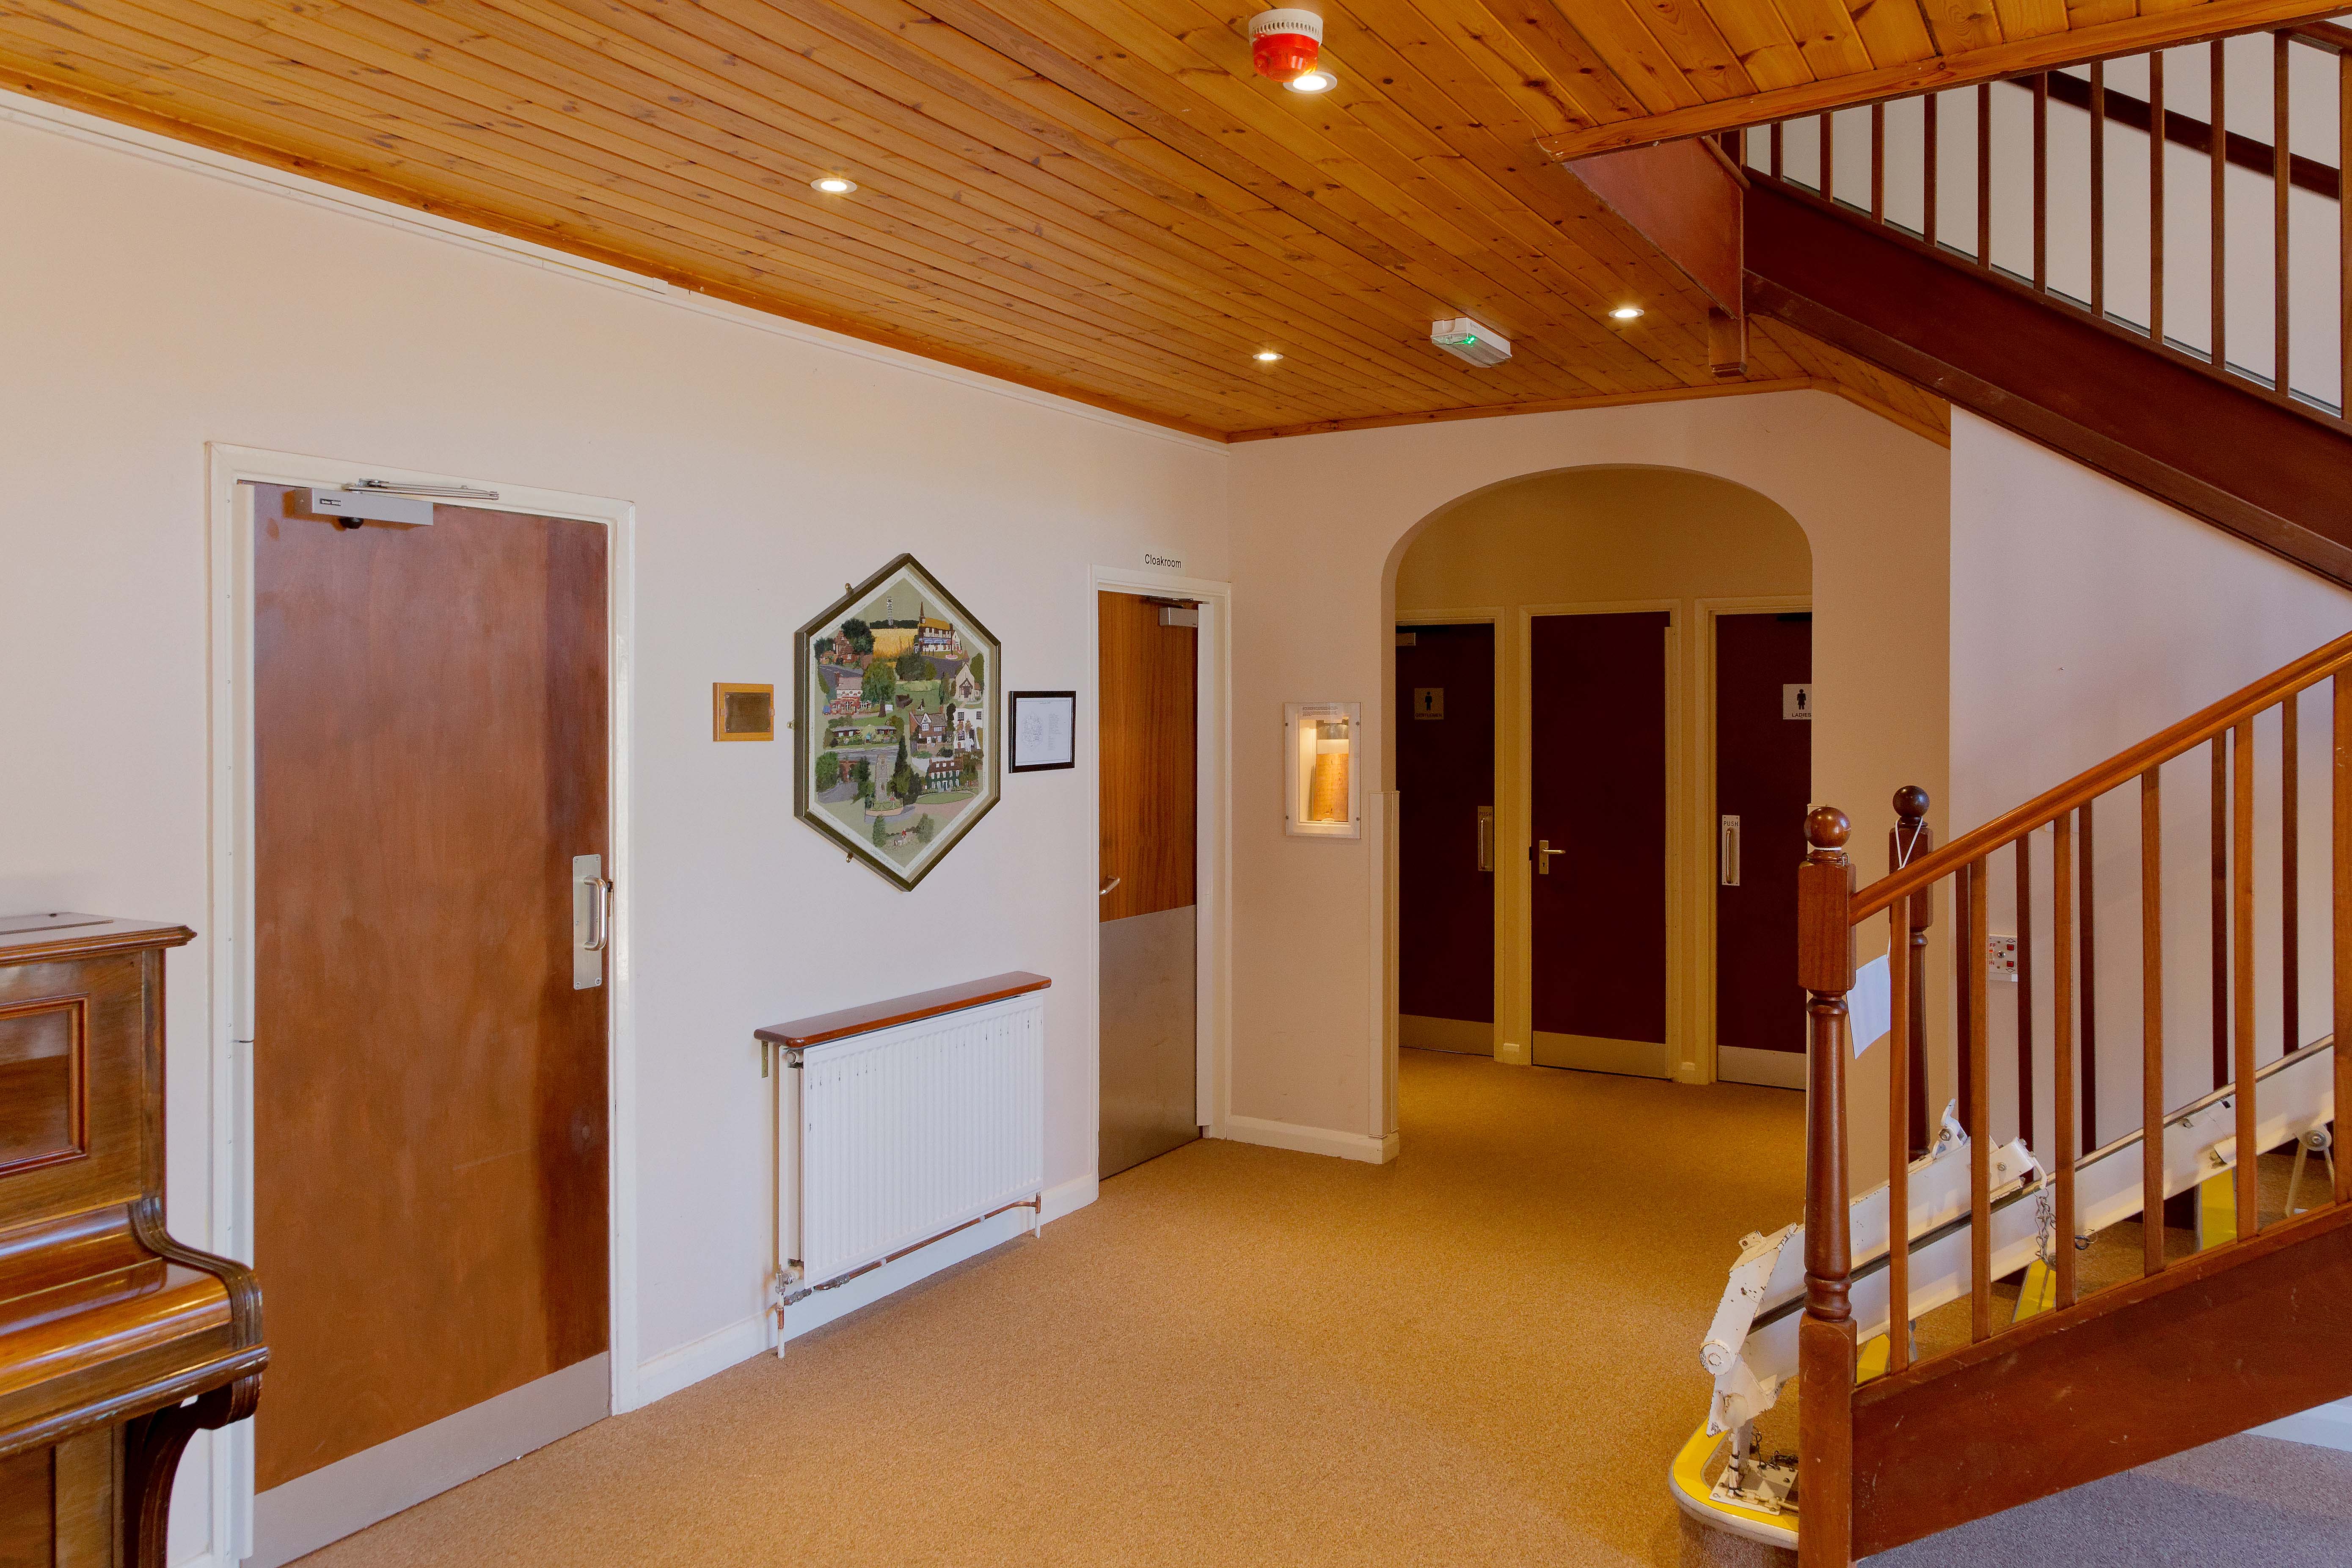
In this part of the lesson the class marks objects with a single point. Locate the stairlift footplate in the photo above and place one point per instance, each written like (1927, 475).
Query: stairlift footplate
(1764, 1485)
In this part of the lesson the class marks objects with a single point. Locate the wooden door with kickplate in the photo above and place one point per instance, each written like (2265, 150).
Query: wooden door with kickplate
(431, 911)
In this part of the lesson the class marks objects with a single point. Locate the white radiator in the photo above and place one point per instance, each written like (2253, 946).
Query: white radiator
(890, 1139)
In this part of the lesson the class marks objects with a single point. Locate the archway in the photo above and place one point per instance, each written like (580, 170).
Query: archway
(1567, 566)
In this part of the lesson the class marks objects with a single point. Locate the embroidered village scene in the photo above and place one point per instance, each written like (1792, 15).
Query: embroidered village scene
(897, 702)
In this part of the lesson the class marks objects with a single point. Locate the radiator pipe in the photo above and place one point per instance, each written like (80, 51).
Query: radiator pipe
(1037, 1202)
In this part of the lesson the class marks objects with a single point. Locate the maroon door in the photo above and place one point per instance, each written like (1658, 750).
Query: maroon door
(1763, 776)
(1597, 701)
(1446, 784)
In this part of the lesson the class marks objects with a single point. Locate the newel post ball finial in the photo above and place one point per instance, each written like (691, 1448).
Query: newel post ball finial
(1910, 803)
(1826, 827)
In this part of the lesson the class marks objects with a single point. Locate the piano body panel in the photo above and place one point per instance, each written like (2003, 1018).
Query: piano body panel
(96, 1010)
(117, 1343)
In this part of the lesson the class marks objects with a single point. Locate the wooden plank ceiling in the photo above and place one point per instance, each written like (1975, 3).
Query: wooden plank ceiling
(1097, 197)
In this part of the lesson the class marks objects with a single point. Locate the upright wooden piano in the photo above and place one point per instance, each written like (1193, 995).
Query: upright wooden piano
(117, 1343)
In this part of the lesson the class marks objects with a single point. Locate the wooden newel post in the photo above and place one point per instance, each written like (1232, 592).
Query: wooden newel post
(1908, 839)
(1825, 1341)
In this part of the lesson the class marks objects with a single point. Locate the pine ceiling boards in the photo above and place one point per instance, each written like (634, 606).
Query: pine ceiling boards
(1096, 197)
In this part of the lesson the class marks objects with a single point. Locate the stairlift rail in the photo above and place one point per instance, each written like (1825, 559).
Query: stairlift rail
(1750, 1347)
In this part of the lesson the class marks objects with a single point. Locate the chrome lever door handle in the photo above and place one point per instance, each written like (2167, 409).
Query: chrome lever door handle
(1104, 892)
(1544, 852)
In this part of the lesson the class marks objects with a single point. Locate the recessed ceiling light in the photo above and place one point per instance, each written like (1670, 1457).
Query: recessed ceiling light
(1313, 81)
(1265, 356)
(833, 184)
(1626, 313)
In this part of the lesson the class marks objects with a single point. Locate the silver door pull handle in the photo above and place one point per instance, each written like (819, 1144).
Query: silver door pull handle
(1727, 852)
(1104, 892)
(1544, 852)
(1486, 838)
(600, 913)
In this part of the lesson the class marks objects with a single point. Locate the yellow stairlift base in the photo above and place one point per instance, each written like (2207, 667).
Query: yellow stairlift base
(1766, 1513)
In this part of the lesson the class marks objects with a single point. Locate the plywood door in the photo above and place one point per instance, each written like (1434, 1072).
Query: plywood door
(429, 1099)
(1446, 779)
(1597, 742)
(1148, 708)
(1763, 775)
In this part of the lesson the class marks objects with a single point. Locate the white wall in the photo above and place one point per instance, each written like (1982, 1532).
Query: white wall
(152, 309)
(2084, 618)
(1320, 524)
(158, 303)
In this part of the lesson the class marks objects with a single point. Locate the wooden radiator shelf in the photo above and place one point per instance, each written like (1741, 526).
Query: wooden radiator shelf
(798, 1033)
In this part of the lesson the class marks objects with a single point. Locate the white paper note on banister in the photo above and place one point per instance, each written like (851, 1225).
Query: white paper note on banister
(1870, 1006)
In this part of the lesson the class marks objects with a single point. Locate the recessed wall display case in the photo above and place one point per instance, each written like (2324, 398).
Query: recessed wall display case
(1325, 798)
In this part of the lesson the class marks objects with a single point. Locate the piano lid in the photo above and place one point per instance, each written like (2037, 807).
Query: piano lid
(36, 938)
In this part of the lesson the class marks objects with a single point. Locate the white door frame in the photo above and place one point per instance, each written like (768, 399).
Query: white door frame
(1703, 828)
(1679, 1033)
(1212, 831)
(1496, 617)
(229, 1218)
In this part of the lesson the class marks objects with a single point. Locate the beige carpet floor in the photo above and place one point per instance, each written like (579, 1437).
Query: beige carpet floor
(1482, 1353)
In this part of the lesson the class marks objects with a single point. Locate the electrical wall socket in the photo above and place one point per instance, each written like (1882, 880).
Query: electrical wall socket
(2001, 957)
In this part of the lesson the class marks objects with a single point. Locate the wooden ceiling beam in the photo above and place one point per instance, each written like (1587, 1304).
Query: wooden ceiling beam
(1684, 198)
(1993, 62)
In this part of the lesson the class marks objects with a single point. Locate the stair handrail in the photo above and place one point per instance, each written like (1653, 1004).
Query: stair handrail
(2195, 730)
(1838, 1480)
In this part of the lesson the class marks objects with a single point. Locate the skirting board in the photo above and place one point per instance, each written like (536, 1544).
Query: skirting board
(1772, 1070)
(342, 1499)
(740, 1341)
(1310, 1140)
(2325, 1427)
(1592, 1053)
(692, 1361)
(1460, 1036)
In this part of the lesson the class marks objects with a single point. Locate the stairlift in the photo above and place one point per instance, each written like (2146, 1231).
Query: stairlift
(1750, 1347)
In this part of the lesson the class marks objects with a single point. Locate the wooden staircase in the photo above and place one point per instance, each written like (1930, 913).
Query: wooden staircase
(1875, 230)
(2250, 1330)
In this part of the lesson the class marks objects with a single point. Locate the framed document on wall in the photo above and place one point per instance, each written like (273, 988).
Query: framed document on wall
(1044, 730)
